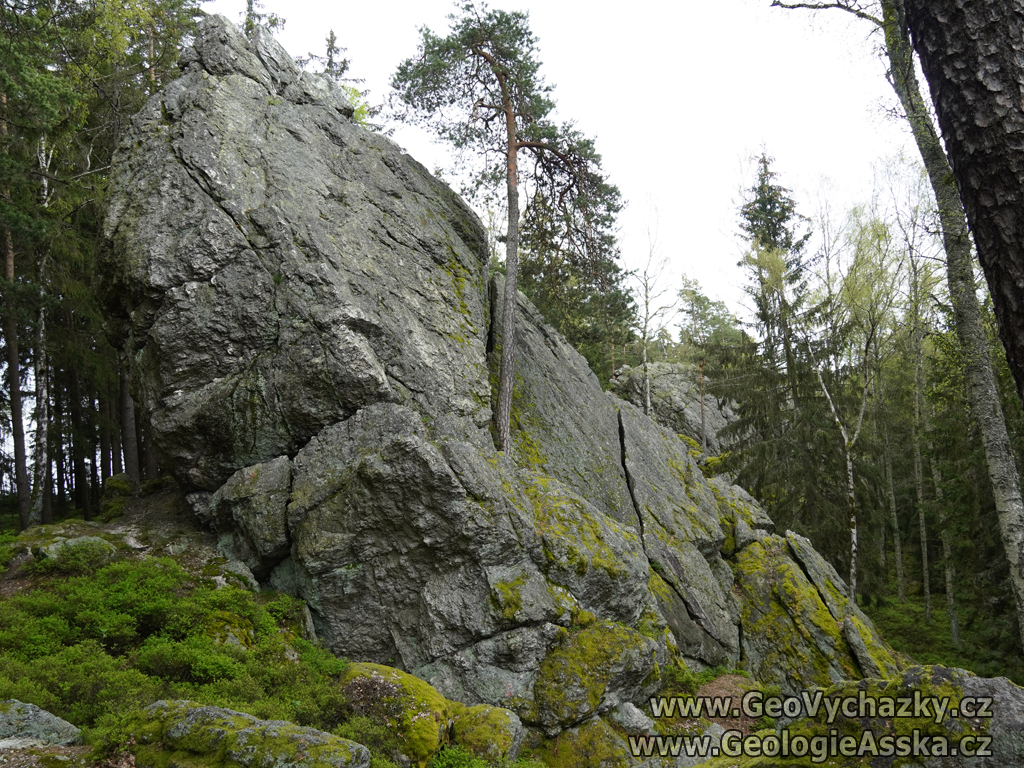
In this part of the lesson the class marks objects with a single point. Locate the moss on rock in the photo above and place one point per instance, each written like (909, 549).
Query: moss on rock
(422, 717)
(574, 677)
(594, 745)
(491, 733)
(183, 733)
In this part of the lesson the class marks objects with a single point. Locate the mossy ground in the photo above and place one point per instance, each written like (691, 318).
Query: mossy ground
(96, 642)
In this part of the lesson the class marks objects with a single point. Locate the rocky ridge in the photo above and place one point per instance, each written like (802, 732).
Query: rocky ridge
(308, 320)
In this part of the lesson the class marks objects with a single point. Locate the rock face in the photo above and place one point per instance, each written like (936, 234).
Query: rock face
(308, 319)
(675, 399)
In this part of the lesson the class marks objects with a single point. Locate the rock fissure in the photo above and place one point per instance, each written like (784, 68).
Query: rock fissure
(629, 482)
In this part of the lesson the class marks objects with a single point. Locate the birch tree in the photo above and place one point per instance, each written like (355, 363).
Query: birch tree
(967, 106)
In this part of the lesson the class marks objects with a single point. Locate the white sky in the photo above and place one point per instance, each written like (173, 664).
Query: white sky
(681, 96)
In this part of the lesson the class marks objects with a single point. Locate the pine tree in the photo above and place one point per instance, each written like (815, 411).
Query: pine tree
(480, 89)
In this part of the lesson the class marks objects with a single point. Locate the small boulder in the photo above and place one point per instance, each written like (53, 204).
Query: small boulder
(492, 733)
(222, 737)
(23, 726)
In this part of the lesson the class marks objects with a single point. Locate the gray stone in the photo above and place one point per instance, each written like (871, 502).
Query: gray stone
(61, 547)
(682, 534)
(675, 399)
(629, 717)
(562, 424)
(274, 267)
(185, 726)
(254, 502)
(23, 726)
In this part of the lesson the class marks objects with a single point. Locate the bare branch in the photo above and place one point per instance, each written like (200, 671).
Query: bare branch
(860, 14)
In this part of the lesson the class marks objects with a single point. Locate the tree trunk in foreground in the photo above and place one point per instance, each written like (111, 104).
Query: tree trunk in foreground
(922, 18)
(972, 53)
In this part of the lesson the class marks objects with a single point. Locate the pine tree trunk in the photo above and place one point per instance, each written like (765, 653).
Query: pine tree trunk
(60, 482)
(506, 371)
(981, 386)
(40, 458)
(78, 446)
(10, 327)
(103, 413)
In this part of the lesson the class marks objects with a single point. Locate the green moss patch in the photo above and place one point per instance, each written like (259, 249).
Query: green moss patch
(422, 717)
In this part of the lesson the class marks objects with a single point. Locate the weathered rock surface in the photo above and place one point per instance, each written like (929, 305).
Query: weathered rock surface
(945, 739)
(25, 725)
(200, 735)
(275, 267)
(676, 401)
(306, 314)
(426, 721)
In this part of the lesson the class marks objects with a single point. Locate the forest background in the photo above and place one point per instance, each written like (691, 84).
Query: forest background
(838, 343)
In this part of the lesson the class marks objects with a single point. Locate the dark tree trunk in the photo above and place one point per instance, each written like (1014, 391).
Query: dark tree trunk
(105, 429)
(10, 329)
(79, 441)
(60, 486)
(971, 52)
(152, 469)
(115, 430)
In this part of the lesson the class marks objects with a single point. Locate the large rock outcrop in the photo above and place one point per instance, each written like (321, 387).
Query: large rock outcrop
(308, 320)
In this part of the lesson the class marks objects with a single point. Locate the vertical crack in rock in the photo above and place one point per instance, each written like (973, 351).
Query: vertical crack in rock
(629, 482)
(696, 615)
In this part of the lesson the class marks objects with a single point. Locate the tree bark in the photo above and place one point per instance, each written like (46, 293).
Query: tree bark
(972, 53)
(981, 386)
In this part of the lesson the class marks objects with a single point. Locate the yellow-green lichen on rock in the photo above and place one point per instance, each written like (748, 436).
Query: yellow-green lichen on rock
(491, 733)
(184, 733)
(422, 716)
(595, 744)
(574, 676)
(789, 636)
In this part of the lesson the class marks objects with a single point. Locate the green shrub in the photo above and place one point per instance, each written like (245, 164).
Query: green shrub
(192, 660)
(79, 559)
(78, 683)
(382, 741)
(456, 757)
(95, 649)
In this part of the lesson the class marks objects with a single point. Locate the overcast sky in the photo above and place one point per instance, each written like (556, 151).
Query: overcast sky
(681, 98)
